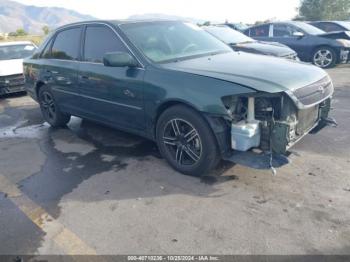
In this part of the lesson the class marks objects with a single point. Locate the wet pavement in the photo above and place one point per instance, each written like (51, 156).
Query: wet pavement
(89, 189)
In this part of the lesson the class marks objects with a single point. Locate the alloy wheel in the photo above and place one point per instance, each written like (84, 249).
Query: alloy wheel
(323, 58)
(48, 105)
(182, 142)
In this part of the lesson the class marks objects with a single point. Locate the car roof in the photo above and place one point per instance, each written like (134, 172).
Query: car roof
(119, 22)
(280, 22)
(16, 43)
(328, 21)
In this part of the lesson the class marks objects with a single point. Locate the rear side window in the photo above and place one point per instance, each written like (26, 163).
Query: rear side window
(260, 31)
(100, 40)
(46, 52)
(66, 45)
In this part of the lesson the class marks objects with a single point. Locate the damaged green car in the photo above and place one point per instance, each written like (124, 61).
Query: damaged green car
(174, 83)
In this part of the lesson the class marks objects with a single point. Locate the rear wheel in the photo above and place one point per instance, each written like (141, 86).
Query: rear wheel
(50, 109)
(324, 57)
(186, 141)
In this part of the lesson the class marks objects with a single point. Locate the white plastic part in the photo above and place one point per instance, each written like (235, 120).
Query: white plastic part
(251, 109)
(245, 136)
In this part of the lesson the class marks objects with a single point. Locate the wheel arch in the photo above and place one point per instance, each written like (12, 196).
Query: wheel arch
(38, 85)
(217, 124)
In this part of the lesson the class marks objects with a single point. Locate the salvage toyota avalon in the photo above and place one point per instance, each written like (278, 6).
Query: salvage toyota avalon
(174, 83)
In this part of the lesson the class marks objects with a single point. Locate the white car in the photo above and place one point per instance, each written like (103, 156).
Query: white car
(11, 65)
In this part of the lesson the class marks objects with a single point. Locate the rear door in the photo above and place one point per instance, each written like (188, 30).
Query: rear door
(260, 33)
(110, 94)
(60, 65)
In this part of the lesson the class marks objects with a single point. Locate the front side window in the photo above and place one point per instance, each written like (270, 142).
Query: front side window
(47, 52)
(283, 30)
(260, 31)
(66, 45)
(170, 41)
(100, 40)
(9, 52)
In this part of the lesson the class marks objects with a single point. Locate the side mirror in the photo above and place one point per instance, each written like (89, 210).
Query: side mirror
(119, 59)
(298, 34)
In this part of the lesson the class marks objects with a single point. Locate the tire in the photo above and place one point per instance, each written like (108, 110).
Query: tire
(50, 109)
(186, 141)
(324, 57)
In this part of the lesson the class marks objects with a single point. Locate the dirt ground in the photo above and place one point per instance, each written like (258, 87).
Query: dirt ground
(88, 189)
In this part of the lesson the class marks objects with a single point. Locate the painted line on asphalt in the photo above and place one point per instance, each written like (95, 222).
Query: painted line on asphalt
(68, 241)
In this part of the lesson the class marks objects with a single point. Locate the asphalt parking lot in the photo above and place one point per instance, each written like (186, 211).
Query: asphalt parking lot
(88, 189)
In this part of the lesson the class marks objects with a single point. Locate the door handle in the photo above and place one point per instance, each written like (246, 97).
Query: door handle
(84, 77)
(128, 93)
(51, 72)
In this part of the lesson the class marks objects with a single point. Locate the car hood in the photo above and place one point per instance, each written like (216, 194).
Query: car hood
(337, 35)
(11, 67)
(274, 49)
(259, 72)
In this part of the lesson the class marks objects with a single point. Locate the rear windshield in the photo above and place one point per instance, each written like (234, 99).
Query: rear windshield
(10, 52)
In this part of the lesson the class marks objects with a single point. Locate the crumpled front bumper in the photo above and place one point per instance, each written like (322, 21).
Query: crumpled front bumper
(344, 56)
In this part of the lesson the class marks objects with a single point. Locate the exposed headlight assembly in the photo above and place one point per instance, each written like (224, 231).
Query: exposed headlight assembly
(344, 42)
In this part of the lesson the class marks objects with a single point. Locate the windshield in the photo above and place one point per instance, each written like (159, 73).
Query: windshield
(9, 52)
(310, 29)
(241, 26)
(345, 24)
(171, 41)
(228, 35)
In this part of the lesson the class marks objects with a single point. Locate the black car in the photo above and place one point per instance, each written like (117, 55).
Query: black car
(312, 44)
(332, 26)
(240, 42)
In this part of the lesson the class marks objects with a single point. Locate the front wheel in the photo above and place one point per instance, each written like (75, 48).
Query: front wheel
(186, 141)
(324, 57)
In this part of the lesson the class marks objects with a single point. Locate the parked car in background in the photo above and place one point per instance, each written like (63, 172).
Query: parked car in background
(240, 42)
(338, 30)
(11, 65)
(236, 26)
(176, 84)
(323, 49)
(332, 26)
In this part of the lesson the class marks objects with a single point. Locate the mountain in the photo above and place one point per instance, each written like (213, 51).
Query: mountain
(14, 15)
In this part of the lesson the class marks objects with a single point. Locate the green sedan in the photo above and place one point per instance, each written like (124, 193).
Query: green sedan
(174, 83)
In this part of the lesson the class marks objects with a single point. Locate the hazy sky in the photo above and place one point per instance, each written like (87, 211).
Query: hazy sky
(215, 10)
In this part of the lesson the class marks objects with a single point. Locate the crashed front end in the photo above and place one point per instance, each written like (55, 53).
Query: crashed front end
(276, 122)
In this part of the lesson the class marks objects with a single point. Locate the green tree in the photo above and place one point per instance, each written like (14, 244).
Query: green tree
(312, 10)
(46, 29)
(21, 32)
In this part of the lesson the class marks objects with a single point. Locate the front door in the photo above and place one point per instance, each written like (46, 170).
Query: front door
(284, 34)
(109, 94)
